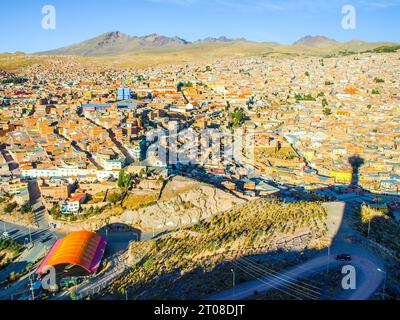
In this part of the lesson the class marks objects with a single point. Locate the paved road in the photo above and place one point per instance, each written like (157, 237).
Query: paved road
(118, 264)
(12, 165)
(39, 210)
(41, 240)
(24, 234)
(368, 266)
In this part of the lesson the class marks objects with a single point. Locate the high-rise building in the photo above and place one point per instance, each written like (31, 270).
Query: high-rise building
(123, 94)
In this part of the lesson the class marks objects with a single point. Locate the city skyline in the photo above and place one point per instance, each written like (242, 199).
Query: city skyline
(260, 21)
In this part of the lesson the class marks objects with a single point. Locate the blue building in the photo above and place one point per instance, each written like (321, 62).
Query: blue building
(123, 94)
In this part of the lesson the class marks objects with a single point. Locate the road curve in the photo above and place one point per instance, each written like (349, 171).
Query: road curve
(370, 270)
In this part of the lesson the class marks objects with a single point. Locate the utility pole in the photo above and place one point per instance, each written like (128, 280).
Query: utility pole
(329, 258)
(30, 235)
(369, 227)
(384, 283)
(384, 288)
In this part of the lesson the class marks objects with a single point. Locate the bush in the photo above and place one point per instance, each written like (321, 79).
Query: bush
(27, 208)
(114, 197)
(10, 207)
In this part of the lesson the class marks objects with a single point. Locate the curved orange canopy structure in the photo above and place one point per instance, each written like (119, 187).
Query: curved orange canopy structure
(82, 249)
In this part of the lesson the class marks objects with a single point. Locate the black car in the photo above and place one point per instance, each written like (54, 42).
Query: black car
(343, 257)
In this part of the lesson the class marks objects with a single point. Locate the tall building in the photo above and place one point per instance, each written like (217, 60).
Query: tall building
(123, 94)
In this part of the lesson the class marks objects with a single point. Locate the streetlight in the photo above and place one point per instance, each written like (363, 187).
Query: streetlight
(32, 289)
(233, 278)
(384, 283)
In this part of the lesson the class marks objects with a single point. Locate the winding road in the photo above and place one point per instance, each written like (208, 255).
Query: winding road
(369, 268)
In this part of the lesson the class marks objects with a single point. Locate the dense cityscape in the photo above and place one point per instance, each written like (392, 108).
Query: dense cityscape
(240, 177)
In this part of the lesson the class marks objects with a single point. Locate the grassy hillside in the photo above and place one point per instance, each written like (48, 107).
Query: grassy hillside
(257, 227)
(211, 51)
(199, 52)
(17, 62)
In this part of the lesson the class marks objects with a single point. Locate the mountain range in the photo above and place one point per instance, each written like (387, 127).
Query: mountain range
(118, 43)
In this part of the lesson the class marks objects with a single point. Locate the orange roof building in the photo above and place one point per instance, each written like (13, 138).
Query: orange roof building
(78, 254)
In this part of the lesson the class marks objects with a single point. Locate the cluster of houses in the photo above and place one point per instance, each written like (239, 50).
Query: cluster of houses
(306, 117)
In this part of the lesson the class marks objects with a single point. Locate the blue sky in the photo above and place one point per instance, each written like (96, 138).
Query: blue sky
(284, 21)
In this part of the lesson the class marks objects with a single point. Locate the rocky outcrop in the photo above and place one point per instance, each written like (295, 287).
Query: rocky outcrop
(183, 202)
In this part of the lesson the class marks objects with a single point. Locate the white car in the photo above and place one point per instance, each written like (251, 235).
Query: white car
(6, 234)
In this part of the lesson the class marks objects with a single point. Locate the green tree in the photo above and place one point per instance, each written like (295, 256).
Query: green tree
(376, 91)
(125, 180)
(55, 212)
(238, 118)
(10, 207)
(327, 111)
(27, 208)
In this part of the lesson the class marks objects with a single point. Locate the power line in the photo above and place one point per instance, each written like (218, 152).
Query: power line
(269, 284)
(277, 279)
(287, 274)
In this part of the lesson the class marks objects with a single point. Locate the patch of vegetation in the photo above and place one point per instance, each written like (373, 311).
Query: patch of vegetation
(237, 118)
(346, 53)
(376, 91)
(55, 212)
(27, 208)
(306, 97)
(9, 250)
(10, 207)
(384, 230)
(385, 49)
(182, 84)
(15, 80)
(92, 211)
(283, 153)
(251, 228)
(125, 180)
(136, 201)
(327, 111)
(10, 244)
(114, 197)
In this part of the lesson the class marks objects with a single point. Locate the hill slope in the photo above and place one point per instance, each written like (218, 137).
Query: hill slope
(121, 49)
(115, 43)
(180, 265)
(316, 41)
